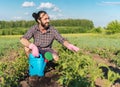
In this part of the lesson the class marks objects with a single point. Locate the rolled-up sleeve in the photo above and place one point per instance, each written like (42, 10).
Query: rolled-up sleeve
(58, 37)
(29, 34)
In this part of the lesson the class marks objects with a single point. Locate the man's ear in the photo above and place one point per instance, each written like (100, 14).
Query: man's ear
(38, 20)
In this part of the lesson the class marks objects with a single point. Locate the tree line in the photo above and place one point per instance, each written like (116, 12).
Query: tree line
(62, 25)
(15, 24)
(68, 22)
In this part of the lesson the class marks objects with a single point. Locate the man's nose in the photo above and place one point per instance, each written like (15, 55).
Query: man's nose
(48, 20)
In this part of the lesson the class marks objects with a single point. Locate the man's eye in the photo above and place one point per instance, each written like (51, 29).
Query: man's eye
(47, 19)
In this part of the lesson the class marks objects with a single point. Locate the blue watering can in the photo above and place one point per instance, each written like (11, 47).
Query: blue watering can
(37, 64)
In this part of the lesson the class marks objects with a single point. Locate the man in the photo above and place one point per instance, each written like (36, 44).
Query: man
(43, 36)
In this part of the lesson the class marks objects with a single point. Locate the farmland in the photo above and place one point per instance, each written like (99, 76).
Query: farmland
(96, 64)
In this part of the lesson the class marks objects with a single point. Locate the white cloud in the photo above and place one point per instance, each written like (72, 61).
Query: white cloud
(28, 4)
(111, 3)
(56, 9)
(53, 17)
(48, 6)
(17, 18)
(56, 16)
(26, 13)
(60, 15)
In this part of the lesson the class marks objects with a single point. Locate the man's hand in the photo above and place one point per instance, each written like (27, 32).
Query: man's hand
(72, 47)
(35, 51)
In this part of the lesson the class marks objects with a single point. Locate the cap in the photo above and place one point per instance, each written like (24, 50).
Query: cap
(48, 56)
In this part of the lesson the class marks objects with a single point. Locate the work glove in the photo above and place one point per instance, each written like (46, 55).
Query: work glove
(35, 51)
(72, 47)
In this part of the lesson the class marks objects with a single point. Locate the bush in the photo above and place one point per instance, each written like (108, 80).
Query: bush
(66, 30)
(96, 30)
(113, 27)
(13, 31)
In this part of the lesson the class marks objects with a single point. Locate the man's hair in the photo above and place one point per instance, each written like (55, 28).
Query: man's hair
(37, 15)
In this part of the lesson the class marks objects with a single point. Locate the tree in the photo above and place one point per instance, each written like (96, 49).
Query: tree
(113, 27)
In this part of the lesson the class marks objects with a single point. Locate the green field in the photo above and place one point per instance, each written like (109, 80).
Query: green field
(74, 68)
(84, 41)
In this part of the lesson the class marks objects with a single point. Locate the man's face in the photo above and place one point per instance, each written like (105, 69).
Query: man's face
(44, 20)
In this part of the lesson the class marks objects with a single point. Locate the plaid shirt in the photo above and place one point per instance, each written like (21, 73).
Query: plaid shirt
(43, 40)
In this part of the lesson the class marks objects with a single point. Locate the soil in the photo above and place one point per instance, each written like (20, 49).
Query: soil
(49, 80)
(103, 82)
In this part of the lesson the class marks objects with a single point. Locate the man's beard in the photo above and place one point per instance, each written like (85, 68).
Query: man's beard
(44, 25)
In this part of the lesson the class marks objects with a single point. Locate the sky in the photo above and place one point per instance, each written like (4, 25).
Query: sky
(101, 12)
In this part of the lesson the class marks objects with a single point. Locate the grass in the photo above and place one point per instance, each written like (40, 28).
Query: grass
(89, 40)
(85, 41)
(8, 43)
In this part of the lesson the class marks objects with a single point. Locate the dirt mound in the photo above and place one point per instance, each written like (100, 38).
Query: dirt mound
(103, 82)
(49, 80)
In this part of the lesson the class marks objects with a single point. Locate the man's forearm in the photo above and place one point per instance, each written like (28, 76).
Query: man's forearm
(25, 42)
(30, 46)
(66, 43)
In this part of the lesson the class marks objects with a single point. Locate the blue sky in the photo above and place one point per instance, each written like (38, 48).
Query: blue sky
(101, 12)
